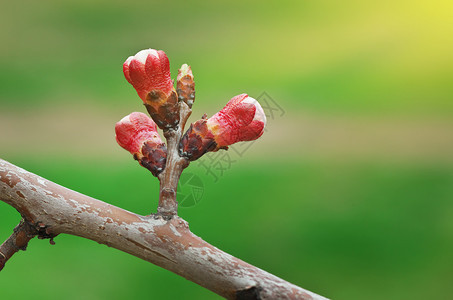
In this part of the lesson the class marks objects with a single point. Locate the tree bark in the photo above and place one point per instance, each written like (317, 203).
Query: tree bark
(49, 209)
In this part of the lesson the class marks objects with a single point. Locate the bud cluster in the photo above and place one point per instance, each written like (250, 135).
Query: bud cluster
(242, 119)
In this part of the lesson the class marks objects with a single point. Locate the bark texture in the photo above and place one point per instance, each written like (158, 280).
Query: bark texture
(49, 209)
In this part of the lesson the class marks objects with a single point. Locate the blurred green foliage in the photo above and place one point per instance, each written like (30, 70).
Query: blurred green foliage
(346, 229)
(348, 55)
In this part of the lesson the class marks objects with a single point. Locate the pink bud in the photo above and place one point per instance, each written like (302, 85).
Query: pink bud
(148, 70)
(149, 73)
(137, 133)
(242, 119)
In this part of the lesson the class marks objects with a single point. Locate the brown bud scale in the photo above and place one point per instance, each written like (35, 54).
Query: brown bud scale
(154, 157)
(185, 88)
(162, 109)
(197, 141)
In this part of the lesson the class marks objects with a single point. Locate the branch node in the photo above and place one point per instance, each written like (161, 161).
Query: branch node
(44, 231)
(162, 215)
(249, 293)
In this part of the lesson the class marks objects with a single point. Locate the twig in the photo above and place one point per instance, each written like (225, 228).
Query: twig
(167, 243)
(22, 234)
(169, 178)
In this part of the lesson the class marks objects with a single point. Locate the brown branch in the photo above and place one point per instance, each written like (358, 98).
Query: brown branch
(53, 209)
(22, 234)
(169, 178)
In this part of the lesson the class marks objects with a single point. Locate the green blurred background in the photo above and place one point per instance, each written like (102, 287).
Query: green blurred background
(349, 193)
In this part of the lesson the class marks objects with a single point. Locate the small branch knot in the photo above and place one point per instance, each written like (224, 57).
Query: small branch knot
(250, 293)
(44, 231)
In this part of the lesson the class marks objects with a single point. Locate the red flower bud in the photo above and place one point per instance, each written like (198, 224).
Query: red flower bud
(148, 70)
(242, 119)
(137, 133)
(149, 73)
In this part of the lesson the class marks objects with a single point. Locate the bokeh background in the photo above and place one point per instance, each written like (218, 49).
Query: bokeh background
(349, 193)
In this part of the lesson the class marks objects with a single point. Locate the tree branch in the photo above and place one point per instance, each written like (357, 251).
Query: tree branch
(49, 209)
(22, 234)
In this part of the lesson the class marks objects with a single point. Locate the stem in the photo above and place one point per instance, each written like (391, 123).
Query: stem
(169, 178)
(22, 234)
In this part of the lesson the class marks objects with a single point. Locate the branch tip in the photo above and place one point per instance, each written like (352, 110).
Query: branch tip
(22, 234)
(2, 261)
